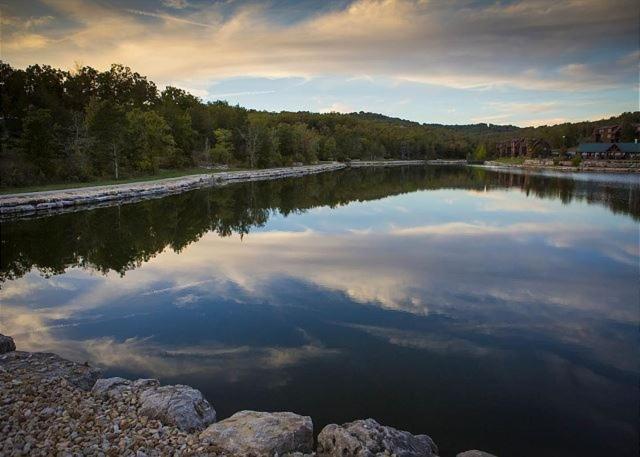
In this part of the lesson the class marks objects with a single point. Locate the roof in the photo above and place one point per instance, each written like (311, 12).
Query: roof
(629, 147)
(604, 147)
(594, 147)
(608, 127)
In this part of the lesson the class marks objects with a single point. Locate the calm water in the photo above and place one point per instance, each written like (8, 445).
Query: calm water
(491, 310)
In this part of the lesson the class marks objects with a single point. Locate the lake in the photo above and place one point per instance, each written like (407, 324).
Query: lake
(496, 310)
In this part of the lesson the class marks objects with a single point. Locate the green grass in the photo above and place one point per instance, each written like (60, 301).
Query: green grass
(162, 174)
(510, 160)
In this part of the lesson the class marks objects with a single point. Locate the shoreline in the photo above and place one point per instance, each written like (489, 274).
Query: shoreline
(53, 406)
(80, 198)
(586, 167)
(47, 202)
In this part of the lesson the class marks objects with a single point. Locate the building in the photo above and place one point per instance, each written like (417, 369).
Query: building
(607, 134)
(524, 147)
(612, 133)
(605, 151)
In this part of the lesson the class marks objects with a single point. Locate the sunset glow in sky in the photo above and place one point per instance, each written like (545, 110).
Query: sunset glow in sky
(523, 62)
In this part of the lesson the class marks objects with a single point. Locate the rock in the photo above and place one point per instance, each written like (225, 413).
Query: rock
(110, 387)
(261, 434)
(178, 405)
(6, 344)
(474, 453)
(78, 375)
(367, 438)
(145, 383)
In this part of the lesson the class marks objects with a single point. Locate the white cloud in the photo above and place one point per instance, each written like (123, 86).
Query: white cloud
(337, 107)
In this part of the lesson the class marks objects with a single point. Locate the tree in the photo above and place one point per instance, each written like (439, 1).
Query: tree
(222, 152)
(629, 132)
(125, 87)
(39, 141)
(328, 148)
(77, 148)
(251, 137)
(150, 145)
(80, 86)
(106, 122)
(480, 153)
(269, 148)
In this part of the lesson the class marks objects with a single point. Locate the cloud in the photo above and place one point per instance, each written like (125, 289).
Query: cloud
(168, 17)
(542, 44)
(242, 93)
(546, 112)
(177, 4)
(337, 107)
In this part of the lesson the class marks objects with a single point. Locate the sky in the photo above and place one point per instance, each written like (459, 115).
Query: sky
(521, 62)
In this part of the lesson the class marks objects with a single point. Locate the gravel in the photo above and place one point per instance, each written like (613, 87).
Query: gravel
(42, 415)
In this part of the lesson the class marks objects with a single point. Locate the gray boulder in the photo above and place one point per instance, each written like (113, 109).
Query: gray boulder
(474, 453)
(259, 434)
(367, 438)
(178, 405)
(6, 344)
(144, 383)
(110, 387)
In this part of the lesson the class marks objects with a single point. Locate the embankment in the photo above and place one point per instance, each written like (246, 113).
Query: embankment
(589, 166)
(54, 201)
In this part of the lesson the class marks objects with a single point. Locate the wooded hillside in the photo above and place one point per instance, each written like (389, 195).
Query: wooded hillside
(68, 126)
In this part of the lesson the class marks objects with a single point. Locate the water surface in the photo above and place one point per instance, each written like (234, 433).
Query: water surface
(490, 309)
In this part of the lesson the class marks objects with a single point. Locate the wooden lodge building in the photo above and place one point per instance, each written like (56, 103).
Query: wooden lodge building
(607, 145)
(607, 151)
(524, 147)
(607, 134)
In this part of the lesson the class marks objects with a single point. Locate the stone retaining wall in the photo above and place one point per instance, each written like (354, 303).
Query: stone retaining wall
(595, 166)
(399, 163)
(68, 200)
(53, 201)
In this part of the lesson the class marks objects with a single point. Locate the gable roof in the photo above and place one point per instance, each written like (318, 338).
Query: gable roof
(632, 148)
(615, 128)
(594, 147)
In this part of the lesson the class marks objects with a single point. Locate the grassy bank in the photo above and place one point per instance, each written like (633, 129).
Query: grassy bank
(162, 174)
(509, 160)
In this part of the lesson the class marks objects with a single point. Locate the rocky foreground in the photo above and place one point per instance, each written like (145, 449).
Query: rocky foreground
(52, 406)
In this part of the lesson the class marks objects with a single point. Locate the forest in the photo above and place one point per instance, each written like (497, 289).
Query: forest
(61, 126)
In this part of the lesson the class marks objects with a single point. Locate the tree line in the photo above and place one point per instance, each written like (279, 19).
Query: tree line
(84, 124)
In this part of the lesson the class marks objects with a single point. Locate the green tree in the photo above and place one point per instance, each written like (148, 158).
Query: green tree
(328, 149)
(480, 153)
(125, 87)
(106, 123)
(77, 147)
(40, 143)
(222, 151)
(150, 145)
(269, 148)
